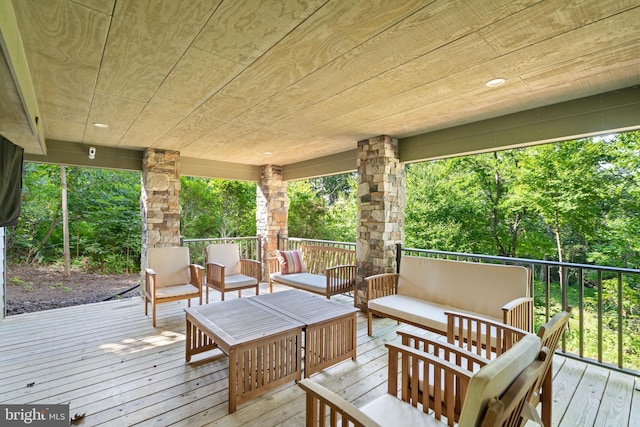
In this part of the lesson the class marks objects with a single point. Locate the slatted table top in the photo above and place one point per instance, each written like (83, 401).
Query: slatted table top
(240, 321)
(303, 306)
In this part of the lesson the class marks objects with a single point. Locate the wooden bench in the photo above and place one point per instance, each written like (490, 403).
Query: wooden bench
(327, 271)
(427, 288)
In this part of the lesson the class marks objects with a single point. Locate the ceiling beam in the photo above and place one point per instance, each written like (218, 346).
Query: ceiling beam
(77, 154)
(333, 164)
(191, 166)
(610, 112)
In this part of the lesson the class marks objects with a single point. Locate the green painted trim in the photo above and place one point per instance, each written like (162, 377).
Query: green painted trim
(190, 166)
(610, 112)
(344, 162)
(77, 154)
(11, 45)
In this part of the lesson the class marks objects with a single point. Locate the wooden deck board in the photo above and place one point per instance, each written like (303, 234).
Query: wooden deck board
(109, 363)
(616, 402)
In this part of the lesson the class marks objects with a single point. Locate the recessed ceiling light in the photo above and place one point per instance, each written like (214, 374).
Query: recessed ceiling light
(101, 125)
(268, 153)
(495, 82)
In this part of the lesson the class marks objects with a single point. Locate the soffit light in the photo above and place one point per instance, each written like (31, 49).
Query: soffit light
(495, 82)
(101, 125)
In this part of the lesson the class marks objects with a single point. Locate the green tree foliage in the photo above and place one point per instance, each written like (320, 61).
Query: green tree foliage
(217, 208)
(567, 186)
(104, 218)
(323, 208)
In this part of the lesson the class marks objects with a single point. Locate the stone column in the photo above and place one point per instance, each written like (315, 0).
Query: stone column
(381, 200)
(272, 206)
(160, 200)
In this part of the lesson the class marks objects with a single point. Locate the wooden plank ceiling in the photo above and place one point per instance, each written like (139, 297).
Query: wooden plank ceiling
(234, 80)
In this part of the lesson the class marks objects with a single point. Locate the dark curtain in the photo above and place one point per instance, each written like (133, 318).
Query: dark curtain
(10, 182)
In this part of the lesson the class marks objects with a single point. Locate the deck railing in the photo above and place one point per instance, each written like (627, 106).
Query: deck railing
(290, 243)
(596, 293)
(250, 247)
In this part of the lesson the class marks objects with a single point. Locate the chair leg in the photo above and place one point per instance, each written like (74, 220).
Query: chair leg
(207, 294)
(222, 296)
(239, 294)
(154, 315)
(546, 397)
(258, 289)
(188, 302)
(369, 323)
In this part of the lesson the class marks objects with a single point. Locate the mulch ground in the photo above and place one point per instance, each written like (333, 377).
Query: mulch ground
(37, 288)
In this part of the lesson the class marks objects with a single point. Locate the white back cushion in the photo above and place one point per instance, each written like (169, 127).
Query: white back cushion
(494, 378)
(479, 288)
(227, 254)
(170, 264)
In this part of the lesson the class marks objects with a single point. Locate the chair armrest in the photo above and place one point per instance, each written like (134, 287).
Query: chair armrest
(215, 274)
(251, 267)
(149, 282)
(341, 278)
(519, 313)
(382, 285)
(457, 355)
(485, 337)
(322, 403)
(274, 265)
(197, 272)
(449, 382)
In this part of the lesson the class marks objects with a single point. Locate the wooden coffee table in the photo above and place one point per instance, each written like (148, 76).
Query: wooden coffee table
(263, 345)
(329, 327)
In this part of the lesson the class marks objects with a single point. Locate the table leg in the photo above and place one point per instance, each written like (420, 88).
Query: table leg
(188, 341)
(233, 373)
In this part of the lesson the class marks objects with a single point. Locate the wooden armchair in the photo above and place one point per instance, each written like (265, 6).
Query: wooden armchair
(170, 276)
(495, 392)
(488, 340)
(227, 272)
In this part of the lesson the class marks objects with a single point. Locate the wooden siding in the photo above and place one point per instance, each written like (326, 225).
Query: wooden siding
(109, 363)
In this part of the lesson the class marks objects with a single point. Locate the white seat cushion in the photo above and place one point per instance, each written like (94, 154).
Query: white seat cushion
(417, 311)
(308, 281)
(177, 290)
(390, 411)
(239, 281)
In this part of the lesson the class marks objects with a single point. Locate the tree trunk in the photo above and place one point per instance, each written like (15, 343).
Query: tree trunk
(556, 230)
(65, 222)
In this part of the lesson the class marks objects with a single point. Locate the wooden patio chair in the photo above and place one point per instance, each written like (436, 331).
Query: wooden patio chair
(468, 331)
(473, 341)
(226, 272)
(170, 276)
(495, 393)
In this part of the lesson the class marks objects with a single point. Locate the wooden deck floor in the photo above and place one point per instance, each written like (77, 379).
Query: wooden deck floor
(108, 362)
